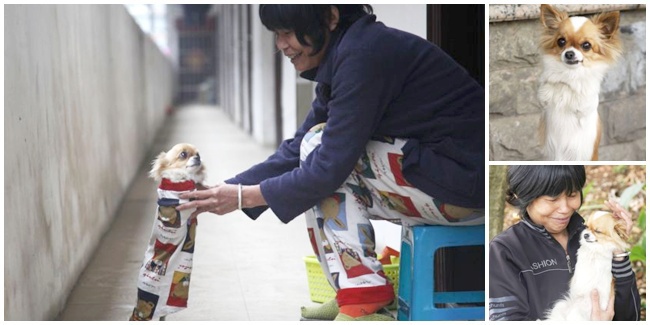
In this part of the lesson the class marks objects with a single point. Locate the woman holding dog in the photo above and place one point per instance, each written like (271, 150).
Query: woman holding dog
(396, 132)
(531, 262)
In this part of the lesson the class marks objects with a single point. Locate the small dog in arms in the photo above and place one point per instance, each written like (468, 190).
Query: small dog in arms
(164, 278)
(603, 236)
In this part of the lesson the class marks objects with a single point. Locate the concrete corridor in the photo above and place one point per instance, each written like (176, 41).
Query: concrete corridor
(243, 270)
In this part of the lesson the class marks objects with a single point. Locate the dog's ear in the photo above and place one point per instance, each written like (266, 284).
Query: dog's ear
(607, 22)
(551, 17)
(621, 229)
(157, 166)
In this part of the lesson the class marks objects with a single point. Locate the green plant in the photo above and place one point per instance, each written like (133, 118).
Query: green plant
(629, 193)
(637, 253)
(587, 189)
(620, 169)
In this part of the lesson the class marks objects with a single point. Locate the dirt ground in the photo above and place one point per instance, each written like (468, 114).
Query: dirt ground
(605, 182)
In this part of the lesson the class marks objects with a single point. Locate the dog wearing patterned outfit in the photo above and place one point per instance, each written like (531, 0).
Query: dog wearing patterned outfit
(164, 278)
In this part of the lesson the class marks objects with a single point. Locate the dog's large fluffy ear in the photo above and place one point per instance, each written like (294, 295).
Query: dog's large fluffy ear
(550, 17)
(621, 229)
(607, 22)
(157, 166)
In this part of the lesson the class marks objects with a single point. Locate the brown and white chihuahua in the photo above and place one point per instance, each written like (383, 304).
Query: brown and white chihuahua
(576, 53)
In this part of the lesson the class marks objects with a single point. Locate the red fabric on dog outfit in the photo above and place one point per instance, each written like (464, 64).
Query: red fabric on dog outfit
(185, 186)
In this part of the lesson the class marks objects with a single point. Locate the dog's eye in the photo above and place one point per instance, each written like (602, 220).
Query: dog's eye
(586, 46)
(561, 42)
(183, 155)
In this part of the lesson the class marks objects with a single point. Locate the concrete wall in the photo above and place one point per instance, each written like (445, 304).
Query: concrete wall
(85, 93)
(235, 44)
(263, 88)
(514, 61)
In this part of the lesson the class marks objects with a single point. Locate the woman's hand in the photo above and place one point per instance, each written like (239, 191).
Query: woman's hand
(222, 199)
(620, 213)
(596, 312)
(219, 199)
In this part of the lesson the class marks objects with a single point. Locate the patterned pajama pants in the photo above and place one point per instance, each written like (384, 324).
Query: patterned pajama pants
(339, 226)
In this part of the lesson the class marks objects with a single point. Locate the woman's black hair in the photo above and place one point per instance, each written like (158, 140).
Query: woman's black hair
(527, 183)
(310, 21)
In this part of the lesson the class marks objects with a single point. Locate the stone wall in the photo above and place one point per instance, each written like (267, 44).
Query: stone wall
(85, 93)
(515, 65)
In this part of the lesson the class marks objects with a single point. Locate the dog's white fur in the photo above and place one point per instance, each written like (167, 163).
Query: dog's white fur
(592, 271)
(570, 101)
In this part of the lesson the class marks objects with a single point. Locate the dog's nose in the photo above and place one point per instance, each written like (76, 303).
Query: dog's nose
(586, 236)
(569, 55)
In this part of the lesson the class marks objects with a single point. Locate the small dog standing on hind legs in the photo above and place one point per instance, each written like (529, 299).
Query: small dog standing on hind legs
(576, 53)
(164, 278)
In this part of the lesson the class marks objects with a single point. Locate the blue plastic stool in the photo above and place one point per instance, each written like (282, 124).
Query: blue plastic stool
(417, 297)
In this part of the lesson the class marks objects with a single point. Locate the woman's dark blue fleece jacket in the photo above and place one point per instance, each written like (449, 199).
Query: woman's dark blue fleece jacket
(379, 81)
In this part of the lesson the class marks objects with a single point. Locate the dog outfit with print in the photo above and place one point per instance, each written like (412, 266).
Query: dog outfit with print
(164, 278)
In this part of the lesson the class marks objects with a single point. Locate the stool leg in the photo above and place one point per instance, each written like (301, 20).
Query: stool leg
(423, 272)
(405, 276)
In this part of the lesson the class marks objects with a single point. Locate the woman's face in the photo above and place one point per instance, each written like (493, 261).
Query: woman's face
(554, 213)
(287, 42)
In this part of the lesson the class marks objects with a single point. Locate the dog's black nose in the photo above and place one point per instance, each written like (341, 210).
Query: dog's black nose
(569, 55)
(586, 236)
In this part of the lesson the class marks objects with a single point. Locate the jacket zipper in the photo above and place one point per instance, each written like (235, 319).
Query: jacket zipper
(566, 254)
(568, 257)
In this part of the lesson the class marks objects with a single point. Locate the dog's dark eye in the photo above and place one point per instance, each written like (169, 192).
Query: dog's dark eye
(183, 155)
(561, 41)
(586, 46)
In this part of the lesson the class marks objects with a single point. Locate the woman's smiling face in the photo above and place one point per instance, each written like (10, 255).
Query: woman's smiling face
(554, 213)
(300, 55)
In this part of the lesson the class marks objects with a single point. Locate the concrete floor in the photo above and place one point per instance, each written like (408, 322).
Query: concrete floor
(243, 269)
